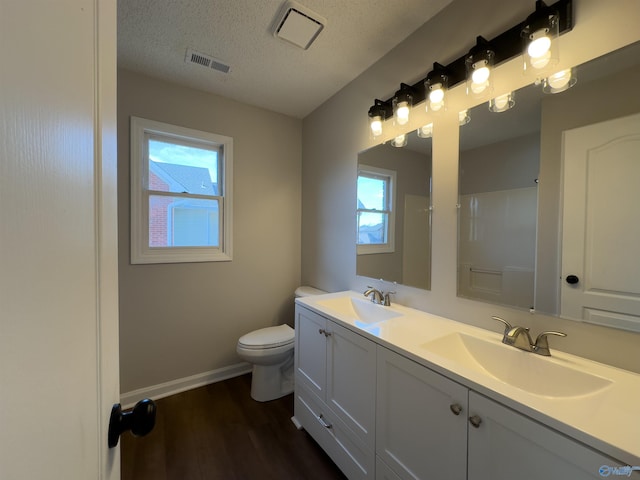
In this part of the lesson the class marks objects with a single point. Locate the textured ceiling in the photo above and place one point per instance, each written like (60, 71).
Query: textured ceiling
(153, 36)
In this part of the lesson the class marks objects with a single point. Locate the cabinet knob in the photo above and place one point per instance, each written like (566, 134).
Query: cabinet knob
(456, 408)
(324, 332)
(475, 420)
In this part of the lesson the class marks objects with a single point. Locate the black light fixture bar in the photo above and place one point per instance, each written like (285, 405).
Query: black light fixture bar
(507, 45)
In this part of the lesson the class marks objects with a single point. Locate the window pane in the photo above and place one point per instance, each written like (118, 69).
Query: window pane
(372, 193)
(183, 222)
(372, 228)
(182, 168)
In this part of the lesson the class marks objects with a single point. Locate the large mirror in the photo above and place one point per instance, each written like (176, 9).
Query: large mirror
(549, 195)
(499, 162)
(394, 211)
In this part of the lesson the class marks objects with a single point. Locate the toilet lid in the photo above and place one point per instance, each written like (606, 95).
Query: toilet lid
(269, 337)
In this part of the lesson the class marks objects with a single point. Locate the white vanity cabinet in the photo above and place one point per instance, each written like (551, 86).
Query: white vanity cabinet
(381, 412)
(335, 391)
(431, 427)
(508, 445)
(421, 429)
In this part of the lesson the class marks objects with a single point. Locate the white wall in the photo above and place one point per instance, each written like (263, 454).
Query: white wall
(335, 132)
(180, 320)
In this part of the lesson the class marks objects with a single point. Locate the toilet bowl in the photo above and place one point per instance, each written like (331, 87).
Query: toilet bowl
(270, 351)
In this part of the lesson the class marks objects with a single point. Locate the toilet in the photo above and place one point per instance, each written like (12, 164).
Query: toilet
(270, 350)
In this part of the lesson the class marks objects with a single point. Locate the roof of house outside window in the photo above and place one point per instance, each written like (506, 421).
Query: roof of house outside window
(194, 180)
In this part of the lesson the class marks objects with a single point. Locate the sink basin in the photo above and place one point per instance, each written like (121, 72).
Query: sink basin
(362, 310)
(524, 370)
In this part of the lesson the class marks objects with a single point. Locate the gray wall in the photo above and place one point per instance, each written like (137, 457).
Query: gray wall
(178, 320)
(335, 132)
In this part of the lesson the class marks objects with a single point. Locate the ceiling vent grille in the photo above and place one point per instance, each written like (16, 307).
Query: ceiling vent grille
(205, 60)
(298, 25)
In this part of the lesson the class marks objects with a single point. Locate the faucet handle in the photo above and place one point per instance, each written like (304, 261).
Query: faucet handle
(387, 300)
(507, 325)
(541, 347)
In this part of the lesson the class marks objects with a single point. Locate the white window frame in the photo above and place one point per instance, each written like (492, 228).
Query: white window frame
(141, 252)
(389, 247)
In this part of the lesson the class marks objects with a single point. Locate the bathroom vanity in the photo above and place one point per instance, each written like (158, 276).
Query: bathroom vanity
(395, 393)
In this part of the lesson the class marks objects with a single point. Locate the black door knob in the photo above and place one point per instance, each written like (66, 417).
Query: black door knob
(572, 279)
(140, 420)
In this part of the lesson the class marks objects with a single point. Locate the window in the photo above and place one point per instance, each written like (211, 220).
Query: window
(375, 210)
(180, 194)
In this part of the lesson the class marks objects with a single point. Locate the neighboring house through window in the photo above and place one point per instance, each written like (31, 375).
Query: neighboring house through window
(180, 194)
(375, 210)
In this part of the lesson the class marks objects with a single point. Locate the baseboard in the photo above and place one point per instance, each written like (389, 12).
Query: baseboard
(155, 392)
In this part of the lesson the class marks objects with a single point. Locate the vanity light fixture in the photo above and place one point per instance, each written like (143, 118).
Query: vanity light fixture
(540, 32)
(479, 66)
(377, 115)
(502, 103)
(464, 117)
(399, 141)
(402, 102)
(436, 85)
(426, 131)
(559, 81)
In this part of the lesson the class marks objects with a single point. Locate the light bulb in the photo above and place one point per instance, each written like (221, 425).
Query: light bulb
(402, 113)
(437, 94)
(559, 80)
(426, 131)
(540, 62)
(376, 126)
(540, 44)
(501, 101)
(399, 141)
(478, 88)
(480, 75)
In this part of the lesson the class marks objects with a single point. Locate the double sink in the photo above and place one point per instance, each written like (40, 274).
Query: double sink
(484, 355)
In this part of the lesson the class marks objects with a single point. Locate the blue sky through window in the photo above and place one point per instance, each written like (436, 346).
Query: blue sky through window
(166, 152)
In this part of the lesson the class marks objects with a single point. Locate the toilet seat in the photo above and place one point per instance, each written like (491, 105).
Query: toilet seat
(266, 338)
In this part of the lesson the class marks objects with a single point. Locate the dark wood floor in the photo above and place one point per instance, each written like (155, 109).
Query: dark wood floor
(219, 432)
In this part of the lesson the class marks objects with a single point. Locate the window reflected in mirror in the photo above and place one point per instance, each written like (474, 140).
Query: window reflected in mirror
(393, 211)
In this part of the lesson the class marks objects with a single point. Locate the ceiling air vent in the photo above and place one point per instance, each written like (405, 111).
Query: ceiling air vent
(206, 61)
(298, 25)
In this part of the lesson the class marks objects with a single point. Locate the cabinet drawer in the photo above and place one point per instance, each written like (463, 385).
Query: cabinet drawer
(335, 438)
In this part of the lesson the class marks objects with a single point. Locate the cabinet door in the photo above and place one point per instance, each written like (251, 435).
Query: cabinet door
(418, 435)
(508, 445)
(351, 380)
(311, 350)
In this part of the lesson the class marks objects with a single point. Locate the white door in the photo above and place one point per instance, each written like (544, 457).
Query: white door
(58, 239)
(421, 424)
(601, 223)
(504, 445)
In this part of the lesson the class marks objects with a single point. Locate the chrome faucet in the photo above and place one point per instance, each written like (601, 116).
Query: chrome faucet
(519, 337)
(376, 295)
(541, 346)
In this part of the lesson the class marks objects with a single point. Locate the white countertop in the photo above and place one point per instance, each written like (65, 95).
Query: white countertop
(607, 420)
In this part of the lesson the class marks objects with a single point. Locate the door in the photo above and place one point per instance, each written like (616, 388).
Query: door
(351, 380)
(504, 445)
(58, 239)
(601, 223)
(310, 351)
(421, 424)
